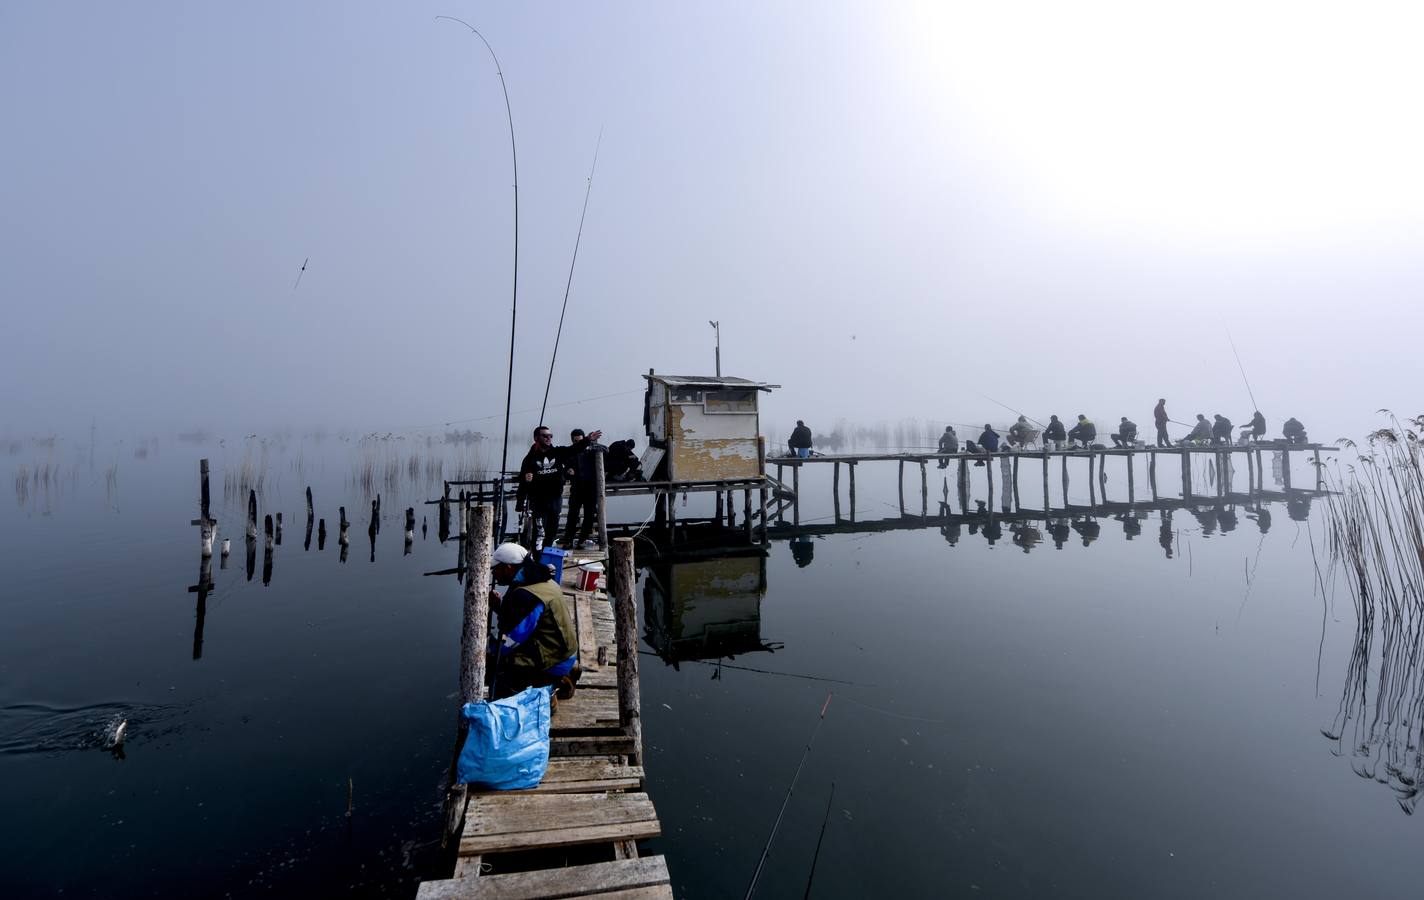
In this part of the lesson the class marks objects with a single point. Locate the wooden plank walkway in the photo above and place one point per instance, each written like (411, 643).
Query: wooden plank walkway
(592, 794)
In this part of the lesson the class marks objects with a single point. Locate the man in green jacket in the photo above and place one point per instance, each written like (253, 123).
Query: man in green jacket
(538, 645)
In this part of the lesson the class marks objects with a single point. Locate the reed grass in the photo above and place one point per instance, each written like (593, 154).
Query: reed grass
(1374, 535)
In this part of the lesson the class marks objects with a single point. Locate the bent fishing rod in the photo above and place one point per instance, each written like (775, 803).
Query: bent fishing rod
(1249, 392)
(577, 239)
(514, 302)
(1014, 411)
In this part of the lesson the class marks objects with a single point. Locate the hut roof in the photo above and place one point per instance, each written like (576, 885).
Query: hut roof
(710, 381)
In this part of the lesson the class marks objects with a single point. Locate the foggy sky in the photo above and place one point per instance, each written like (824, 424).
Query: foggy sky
(893, 210)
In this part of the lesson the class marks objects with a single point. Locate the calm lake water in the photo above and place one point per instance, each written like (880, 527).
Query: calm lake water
(1143, 711)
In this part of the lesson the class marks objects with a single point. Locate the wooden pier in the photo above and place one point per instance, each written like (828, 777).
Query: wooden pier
(576, 834)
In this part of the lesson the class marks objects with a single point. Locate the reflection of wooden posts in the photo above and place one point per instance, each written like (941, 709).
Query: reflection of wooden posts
(600, 489)
(252, 514)
(621, 583)
(1186, 473)
(474, 636)
(311, 511)
(924, 491)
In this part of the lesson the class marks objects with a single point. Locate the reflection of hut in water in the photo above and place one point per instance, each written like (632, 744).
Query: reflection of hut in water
(705, 609)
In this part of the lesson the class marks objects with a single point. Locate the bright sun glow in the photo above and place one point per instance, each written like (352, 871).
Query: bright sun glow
(1228, 119)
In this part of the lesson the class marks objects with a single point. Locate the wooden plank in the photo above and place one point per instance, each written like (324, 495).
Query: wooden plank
(600, 745)
(582, 768)
(590, 707)
(561, 837)
(583, 624)
(597, 879)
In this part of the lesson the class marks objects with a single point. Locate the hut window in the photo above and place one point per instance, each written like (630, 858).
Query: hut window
(730, 402)
(686, 395)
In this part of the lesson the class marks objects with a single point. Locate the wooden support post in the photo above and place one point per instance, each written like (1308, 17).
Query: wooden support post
(267, 532)
(721, 514)
(1186, 473)
(1152, 472)
(672, 517)
(1285, 468)
(796, 489)
(989, 479)
(765, 536)
(1092, 482)
(747, 512)
(1131, 486)
(1064, 460)
(321, 534)
(1319, 472)
(851, 467)
(1045, 481)
(900, 485)
(252, 514)
(963, 486)
(622, 581)
(207, 528)
(600, 491)
(475, 528)
(836, 488)
(341, 537)
(204, 500)
(924, 491)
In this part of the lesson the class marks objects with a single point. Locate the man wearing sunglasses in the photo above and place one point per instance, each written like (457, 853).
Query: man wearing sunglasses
(541, 484)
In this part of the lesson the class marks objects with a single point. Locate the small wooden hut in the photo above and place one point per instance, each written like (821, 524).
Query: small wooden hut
(706, 426)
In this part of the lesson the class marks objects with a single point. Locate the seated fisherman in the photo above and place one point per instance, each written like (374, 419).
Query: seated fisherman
(538, 645)
(1294, 431)
(1256, 428)
(1221, 430)
(1085, 432)
(1200, 433)
(988, 442)
(1054, 432)
(1021, 432)
(1126, 434)
(948, 443)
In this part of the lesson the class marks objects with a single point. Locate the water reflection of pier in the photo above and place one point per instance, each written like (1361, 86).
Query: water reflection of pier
(705, 608)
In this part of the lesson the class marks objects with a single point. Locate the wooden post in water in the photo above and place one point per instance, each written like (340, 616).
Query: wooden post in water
(267, 532)
(900, 485)
(252, 514)
(474, 636)
(1319, 472)
(1045, 479)
(409, 529)
(796, 490)
(622, 580)
(1152, 472)
(1285, 468)
(341, 537)
(1186, 473)
(207, 527)
(600, 489)
(850, 467)
(747, 512)
(924, 491)
(720, 515)
(321, 534)
(1131, 487)
(279, 529)
(836, 488)
(1064, 459)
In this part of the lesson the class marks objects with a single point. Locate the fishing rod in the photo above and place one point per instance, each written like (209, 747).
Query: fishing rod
(1014, 411)
(570, 283)
(751, 888)
(1249, 392)
(514, 303)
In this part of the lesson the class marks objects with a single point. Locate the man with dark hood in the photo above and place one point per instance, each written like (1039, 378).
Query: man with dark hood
(580, 467)
(1126, 434)
(1054, 432)
(1294, 431)
(538, 645)
(1221, 430)
(1256, 429)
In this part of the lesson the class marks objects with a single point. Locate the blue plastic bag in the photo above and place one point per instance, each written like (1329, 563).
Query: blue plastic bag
(507, 747)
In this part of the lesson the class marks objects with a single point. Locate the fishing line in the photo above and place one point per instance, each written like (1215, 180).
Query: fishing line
(751, 888)
(570, 283)
(704, 662)
(817, 855)
(1014, 411)
(514, 304)
(1249, 393)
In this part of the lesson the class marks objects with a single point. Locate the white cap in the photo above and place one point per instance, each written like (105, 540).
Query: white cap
(509, 554)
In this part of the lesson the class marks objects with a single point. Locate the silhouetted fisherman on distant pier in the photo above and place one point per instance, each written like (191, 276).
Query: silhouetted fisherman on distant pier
(800, 441)
(1159, 416)
(948, 443)
(1200, 433)
(1054, 432)
(1221, 431)
(1085, 432)
(988, 441)
(1021, 432)
(1294, 431)
(1256, 428)
(1126, 433)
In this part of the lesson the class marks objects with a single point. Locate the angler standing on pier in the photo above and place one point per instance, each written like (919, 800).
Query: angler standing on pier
(583, 497)
(541, 484)
(1159, 415)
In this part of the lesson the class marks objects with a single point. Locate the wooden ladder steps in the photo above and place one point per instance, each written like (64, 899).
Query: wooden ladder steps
(626, 879)
(505, 822)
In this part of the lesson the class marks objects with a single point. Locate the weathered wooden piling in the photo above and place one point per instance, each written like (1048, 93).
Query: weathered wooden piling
(1186, 474)
(252, 514)
(747, 512)
(375, 525)
(207, 526)
(321, 534)
(311, 510)
(267, 532)
(622, 580)
(409, 529)
(924, 491)
(474, 638)
(851, 472)
(600, 490)
(341, 537)
(796, 490)
(279, 530)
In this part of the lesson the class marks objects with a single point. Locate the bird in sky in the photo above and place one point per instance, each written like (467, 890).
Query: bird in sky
(299, 274)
